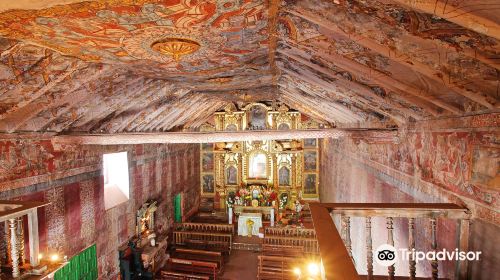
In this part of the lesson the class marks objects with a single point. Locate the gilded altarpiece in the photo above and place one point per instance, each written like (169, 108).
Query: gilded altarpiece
(288, 169)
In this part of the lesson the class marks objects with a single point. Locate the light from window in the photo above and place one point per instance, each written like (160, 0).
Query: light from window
(116, 179)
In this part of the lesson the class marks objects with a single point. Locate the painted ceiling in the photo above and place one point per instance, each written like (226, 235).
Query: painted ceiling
(68, 65)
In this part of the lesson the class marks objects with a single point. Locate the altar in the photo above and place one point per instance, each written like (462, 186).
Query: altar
(242, 223)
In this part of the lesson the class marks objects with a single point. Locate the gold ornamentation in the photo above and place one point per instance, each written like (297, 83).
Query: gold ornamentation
(176, 47)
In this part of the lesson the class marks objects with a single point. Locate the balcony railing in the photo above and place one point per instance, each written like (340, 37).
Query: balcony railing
(336, 246)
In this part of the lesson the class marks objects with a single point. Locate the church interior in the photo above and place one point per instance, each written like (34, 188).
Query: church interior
(249, 139)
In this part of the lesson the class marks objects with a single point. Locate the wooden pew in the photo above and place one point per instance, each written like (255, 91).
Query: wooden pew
(282, 250)
(172, 275)
(193, 267)
(310, 245)
(205, 227)
(276, 268)
(180, 237)
(200, 255)
(214, 246)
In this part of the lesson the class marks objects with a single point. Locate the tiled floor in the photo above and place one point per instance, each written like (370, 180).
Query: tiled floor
(242, 265)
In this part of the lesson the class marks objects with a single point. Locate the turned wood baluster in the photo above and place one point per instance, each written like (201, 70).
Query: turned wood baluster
(348, 244)
(13, 247)
(434, 263)
(411, 242)
(369, 248)
(390, 240)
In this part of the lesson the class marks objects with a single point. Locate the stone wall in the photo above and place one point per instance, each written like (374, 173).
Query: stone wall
(448, 160)
(30, 169)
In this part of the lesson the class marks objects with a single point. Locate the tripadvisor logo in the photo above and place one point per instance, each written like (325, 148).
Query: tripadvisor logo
(387, 255)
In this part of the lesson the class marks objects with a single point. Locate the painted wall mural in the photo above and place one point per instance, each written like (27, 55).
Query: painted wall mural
(71, 180)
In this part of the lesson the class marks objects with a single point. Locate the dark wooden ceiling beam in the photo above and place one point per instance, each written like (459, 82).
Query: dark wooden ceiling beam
(397, 56)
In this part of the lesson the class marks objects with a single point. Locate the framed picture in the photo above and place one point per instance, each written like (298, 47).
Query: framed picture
(207, 147)
(310, 143)
(208, 183)
(310, 161)
(207, 162)
(310, 184)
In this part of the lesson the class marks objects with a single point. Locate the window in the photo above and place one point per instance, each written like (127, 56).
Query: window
(116, 179)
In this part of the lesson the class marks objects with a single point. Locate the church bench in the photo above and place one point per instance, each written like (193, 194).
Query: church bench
(180, 237)
(206, 227)
(215, 246)
(172, 275)
(200, 255)
(275, 267)
(282, 250)
(310, 245)
(193, 267)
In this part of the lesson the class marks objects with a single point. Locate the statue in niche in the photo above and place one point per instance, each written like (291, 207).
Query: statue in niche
(257, 118)
(258, 166)
(284, 176)
(231, 175)
(283, 126)
(231, 127)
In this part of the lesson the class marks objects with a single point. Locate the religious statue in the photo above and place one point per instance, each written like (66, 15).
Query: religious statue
(298, 206)
(284, 176)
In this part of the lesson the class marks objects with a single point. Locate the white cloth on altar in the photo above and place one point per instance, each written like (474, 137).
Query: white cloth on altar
(242, 223)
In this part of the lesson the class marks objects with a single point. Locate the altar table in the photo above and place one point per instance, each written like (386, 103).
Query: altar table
(242, 223)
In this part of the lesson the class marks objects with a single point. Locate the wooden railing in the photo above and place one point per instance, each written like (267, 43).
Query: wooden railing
(310, 245)
(336, 248)
(293, 232)
(181, 236)
(205, 227)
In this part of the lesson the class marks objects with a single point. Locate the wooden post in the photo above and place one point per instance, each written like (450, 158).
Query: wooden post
(13, 248)
(434, 263)
(411, 243)
(369, 248)
(390, 240)
(463, 245)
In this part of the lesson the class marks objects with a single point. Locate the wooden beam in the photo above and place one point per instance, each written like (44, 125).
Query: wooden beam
(214, 136)
(41, 91)
(463, 16)
(385, 80)
(329, 87)
(395, 55)
(20, 117)
(320, 106)
(353, 85)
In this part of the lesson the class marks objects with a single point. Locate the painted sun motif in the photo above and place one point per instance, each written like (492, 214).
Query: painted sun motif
(139, 44)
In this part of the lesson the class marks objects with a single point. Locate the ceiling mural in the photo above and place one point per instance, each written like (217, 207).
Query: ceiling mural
(123, 31)
(168, 65)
